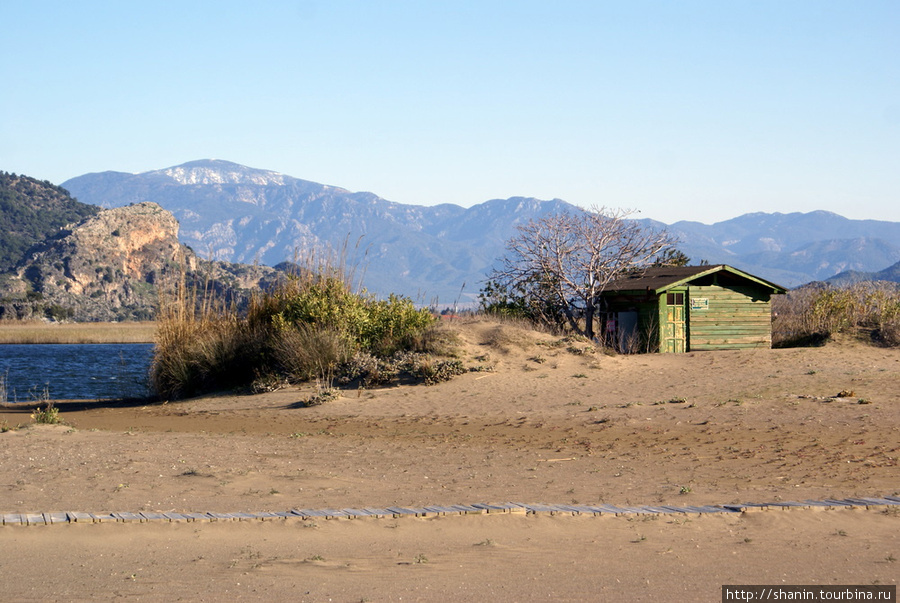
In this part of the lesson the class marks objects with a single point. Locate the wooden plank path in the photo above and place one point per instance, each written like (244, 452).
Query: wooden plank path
(30, 519)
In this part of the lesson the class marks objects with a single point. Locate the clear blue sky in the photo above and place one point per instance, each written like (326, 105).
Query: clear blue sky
(679, 109)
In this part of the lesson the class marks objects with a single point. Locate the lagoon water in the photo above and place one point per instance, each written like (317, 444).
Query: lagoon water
(75, 371)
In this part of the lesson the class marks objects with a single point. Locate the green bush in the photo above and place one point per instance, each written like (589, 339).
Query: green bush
(327, 302)
(309, 327)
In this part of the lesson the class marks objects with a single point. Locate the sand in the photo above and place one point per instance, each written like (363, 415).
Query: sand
(552, 423)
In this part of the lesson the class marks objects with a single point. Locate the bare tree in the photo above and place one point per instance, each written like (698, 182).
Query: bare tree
(562, 263)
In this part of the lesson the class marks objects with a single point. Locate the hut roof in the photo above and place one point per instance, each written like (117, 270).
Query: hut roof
(660, 279)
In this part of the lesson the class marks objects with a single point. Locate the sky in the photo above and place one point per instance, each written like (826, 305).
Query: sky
(685, 110)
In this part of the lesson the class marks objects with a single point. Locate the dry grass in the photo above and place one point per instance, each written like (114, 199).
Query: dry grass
(811, 315)
(93, 332)
(506, 334)
(308, 352)
(201, 346)
(504, 338)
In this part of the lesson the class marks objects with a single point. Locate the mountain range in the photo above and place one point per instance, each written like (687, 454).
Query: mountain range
(65, 260)
(851, 277)
(440, 253)
(795, 248)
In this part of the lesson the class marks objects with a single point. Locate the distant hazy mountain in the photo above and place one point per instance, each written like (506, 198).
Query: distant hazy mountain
(792, 249)
(240, 214)
(891, 273)
(235, 213)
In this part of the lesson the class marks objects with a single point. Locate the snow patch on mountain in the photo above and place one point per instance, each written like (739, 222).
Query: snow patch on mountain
(198, 175)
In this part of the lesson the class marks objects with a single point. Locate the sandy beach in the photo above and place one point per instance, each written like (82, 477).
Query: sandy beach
(551, 422)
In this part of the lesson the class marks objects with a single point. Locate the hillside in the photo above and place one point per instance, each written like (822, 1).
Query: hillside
(31, 211)
(890, 274)
(111, 266)
(241, 214)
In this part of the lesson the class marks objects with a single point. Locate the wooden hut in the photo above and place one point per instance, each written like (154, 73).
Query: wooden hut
(689, 308)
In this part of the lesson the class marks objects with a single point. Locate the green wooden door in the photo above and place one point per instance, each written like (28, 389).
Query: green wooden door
(674, 332)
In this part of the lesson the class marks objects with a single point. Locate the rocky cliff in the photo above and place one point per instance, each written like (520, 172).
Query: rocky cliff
(111, 267)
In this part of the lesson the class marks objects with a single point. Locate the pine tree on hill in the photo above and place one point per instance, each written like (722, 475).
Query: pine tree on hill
(32, 211)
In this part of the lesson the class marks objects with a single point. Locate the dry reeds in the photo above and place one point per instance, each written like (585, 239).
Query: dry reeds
(304, 328)
(199, 346)
(93, 332)
(811, 315)
(306, 352)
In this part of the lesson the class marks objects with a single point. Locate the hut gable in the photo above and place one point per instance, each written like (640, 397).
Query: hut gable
(689, 308)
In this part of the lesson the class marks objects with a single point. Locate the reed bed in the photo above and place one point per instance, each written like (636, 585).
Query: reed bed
(811, 315)
(29, 332)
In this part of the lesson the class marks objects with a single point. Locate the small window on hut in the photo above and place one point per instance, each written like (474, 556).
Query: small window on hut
(675, 299)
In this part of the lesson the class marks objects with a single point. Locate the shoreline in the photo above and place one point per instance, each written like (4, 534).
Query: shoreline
(15, 332)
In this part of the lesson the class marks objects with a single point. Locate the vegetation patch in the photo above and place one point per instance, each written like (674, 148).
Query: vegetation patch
(323, 396)
(46, 415)
(812, 315)
(504, 337)
(32, 211)
(312, 327)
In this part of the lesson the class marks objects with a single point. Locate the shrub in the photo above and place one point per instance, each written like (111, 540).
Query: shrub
(811, 315)
(369, 371)
(308, 327)
(889, 333)
(202, 349)
(307, 351)
(394, 324)
(47, 415)
(382, 326)
(436, 371)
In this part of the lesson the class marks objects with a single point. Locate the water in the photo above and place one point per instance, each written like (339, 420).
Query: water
(75, 371)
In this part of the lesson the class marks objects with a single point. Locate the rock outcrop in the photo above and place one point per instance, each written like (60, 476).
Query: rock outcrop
(111, 266)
